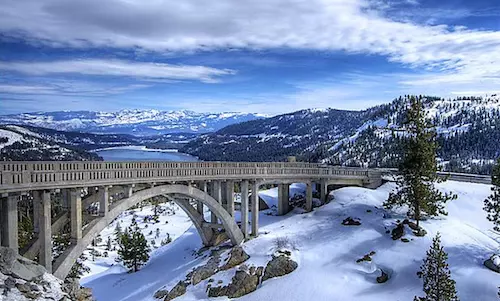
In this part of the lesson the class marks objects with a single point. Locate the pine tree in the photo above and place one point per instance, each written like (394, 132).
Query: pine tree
(492, 203)
(438, 285)
(108, 244)
(418, 168)
(133, 247)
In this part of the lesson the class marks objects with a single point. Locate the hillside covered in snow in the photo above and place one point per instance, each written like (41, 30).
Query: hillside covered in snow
(468, 133)
(133, 122)
(329, 254)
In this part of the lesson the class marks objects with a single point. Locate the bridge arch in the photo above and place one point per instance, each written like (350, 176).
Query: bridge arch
(64, 262)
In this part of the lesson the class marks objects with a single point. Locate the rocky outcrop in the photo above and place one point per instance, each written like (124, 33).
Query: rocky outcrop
(367, 257)
(493, 263)
(280, 265)
(178, 290)
(22, 279)
(236, 257)
(241, 284)
(349, 221)
(205, 271)
(398, 232)
(383, 277)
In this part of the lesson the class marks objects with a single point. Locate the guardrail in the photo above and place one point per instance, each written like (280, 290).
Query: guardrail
(452, 176)
(50, 174)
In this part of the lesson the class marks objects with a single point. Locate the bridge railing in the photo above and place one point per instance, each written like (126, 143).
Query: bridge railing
(50, 173)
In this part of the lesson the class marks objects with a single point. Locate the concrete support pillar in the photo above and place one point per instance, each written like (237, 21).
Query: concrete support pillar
(10, 222)
(309, 197)
(45, 257)
(37, 208)
(244, 208)
(255, 208)
(199, 205)
(76, 216)
(229, 197)
(129, 190)
(283, 198)
(323, 191)
(65, 198)
(103, 200)
(2, 201)
(217, 195)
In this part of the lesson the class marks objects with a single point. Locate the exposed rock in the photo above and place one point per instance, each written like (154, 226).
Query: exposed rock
(417, 230)
(178, 290)
(367, 257)
(383, 278)
(18, 266)
(420, 233)
(405, 239)
(205, 271)
(349, 221)
(236, 256)
(160, 294)
(10, 282)
(493, 263)
(241, 284)
(76, 292)
(279, 266)
(398, 232)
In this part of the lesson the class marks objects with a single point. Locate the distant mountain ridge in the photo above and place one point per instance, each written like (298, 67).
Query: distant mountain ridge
(468, 129)
(133, 122)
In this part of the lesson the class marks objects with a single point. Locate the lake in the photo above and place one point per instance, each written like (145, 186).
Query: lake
(140, 153)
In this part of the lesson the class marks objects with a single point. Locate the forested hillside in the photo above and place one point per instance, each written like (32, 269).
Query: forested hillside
(468, 134)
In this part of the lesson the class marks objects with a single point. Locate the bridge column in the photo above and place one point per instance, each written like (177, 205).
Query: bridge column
(199, 205)
(255, 208)
(103, 200)
(45, 257)
(10, 222)
(129, 190)
(229, 197)
(322, 188)
(309, 196)
(66, 199)
(217, 195)
(37, 208)
(283, 199)
(244, 208)
(76, 216)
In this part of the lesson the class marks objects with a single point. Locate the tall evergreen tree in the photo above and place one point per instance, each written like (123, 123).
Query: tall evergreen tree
(492, 203)
(438, 285)
(133, 247)
(418, 168)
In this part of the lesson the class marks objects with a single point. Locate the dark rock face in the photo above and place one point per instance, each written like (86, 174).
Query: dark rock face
(236, 256)
(349, 221)
(178, 290)
(493, 263)
(398, 232)
(383, 278)
(241, 284)
(279, 266)
(160, 294)
(76, 292)
(205, 271)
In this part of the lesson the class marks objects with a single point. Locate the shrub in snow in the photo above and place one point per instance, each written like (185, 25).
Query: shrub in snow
(438, 285)
(492, 203)
(418, 168)
(134, 249)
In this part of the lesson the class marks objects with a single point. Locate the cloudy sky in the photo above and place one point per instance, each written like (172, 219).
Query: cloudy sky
(267, 56)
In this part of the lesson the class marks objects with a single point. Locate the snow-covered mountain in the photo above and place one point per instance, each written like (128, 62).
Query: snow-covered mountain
(135, 122)
(468, 128)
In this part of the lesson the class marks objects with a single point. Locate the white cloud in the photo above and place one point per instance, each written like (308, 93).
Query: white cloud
(148, 71)
(69, 88)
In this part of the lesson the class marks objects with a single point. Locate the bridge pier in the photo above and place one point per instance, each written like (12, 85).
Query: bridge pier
(103, 200)
(322, 188)
(216, 193)
(255, 208)
(45, 257)
(283, 199)
(76, 216)
(9, 222)
(244, 208)
(229, 197)
(309, 197)
(199, 205)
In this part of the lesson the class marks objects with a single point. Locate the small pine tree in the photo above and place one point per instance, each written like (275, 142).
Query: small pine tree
(78, 269)
(419, 167)
(108, 244)
(492, 203)
(438, 285)
(133, 248)
(118, 229)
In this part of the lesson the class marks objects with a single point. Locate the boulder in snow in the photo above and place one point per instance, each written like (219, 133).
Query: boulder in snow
(349, 221)
(383, 278)
(205, 271)
(279, 266)
(398, 232)
(493, 263)
(242, 283)
(236, 256)
(178, 290)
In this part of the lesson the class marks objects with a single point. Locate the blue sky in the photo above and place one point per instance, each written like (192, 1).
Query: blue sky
(265, 56)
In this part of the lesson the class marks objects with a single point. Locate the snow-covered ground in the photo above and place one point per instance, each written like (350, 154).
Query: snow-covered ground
(326, 252)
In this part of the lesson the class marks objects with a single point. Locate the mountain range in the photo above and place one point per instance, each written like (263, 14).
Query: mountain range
(134, 122)
(468, 134)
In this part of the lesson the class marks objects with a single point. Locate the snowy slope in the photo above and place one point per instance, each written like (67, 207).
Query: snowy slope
(138, 122)
(326, 252)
